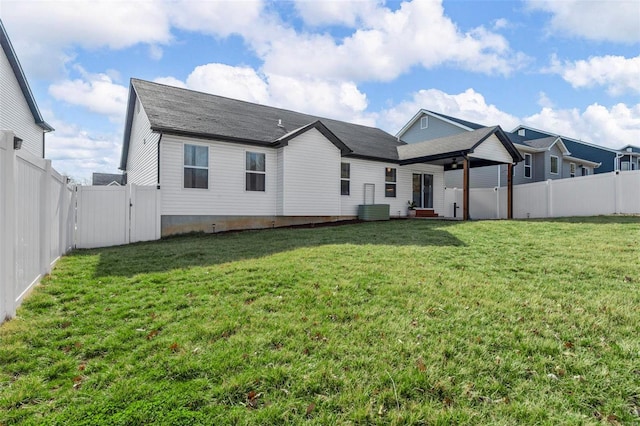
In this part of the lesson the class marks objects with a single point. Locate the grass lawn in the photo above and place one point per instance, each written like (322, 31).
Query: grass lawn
(401, 322)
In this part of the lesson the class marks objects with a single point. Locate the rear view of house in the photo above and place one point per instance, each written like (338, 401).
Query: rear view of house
(227, 164)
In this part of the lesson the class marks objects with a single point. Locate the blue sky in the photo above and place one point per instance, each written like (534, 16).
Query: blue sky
(569, 66)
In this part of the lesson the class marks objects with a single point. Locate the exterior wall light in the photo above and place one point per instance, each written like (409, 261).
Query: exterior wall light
(17, 143)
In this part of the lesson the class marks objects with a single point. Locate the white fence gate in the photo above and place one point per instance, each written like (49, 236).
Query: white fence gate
(601, 194)
(114, 215)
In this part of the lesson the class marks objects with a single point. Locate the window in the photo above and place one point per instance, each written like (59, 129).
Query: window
(554, 165)
(196, 166)
(521, 132)
(572, 169)
(424, 122)
(528, 163)
(256, 171)
(585, 171)
(345, 175)
(390, 182)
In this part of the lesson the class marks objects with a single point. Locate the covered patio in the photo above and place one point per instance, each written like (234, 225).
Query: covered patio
(487, 146)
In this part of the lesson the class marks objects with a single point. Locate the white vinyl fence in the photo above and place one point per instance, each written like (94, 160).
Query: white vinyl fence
(42, 218)
(114, 215)
(601, 194)
(36, 221)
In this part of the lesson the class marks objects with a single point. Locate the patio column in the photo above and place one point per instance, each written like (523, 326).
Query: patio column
(510, 191)
(465, 189)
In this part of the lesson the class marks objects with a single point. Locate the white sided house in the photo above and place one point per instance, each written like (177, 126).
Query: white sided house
(225, 164)
(18, 110)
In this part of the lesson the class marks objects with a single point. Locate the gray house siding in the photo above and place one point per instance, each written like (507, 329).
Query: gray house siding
(436, 129)
(555, 151)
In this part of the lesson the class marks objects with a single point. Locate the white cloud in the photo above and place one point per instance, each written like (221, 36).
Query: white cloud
(95, 92)
(544, 101)
(619, 74)
(387, 44)
(220, 18)
(336, 12)
(77, 154)
(611, 127)
(500, 24)
(340, 100)
(233, 82)
(90, 24)
(468, 105)
(615, 21)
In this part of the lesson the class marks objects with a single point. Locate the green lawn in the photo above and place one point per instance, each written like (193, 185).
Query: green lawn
(401, 322)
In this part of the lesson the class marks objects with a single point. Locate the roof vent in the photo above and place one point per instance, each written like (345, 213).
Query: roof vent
(280, 123)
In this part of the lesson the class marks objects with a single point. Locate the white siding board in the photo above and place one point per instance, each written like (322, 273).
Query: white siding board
(311, 176)
(226, 194)
(142, 162)
(364, 172)
(492, 149)
(15, 114)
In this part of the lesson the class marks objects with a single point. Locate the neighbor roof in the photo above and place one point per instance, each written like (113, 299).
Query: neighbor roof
(103, 179)
(470, 124)
(22, 80)
(177, 111)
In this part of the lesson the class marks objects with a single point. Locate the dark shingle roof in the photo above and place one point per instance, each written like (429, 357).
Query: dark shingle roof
(185, 112)
(542, 143)
(102, 179)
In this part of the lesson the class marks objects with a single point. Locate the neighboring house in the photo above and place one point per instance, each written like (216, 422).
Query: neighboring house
(597, 154)
(108, 179)
(545, 157)
(18, 110)
(226, 164)
(629, 158)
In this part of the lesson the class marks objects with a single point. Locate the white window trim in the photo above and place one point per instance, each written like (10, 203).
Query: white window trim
(530, 166)
(551, 157)
(424, 122)
(197, 167)
(572, 169)
(258, 172)
(394, 182)
(345, 179)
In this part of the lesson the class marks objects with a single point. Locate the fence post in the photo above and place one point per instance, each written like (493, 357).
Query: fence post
(618, 192)
(549, 198)
(158, 213)
(128, 225)
(45, 219)
(62, 218)
(8, 227)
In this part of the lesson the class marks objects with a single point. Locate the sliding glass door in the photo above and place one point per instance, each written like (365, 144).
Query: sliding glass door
(423, 190)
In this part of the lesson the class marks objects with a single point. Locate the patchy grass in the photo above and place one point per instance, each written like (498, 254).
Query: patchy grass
(401, 322)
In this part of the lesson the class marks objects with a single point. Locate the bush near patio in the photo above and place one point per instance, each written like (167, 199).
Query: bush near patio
(401, 322)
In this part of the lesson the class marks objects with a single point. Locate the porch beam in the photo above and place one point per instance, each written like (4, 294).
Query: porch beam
(510, 191)
(465, 189)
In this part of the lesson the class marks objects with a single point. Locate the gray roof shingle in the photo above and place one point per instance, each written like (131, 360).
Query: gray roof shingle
(180, 111)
